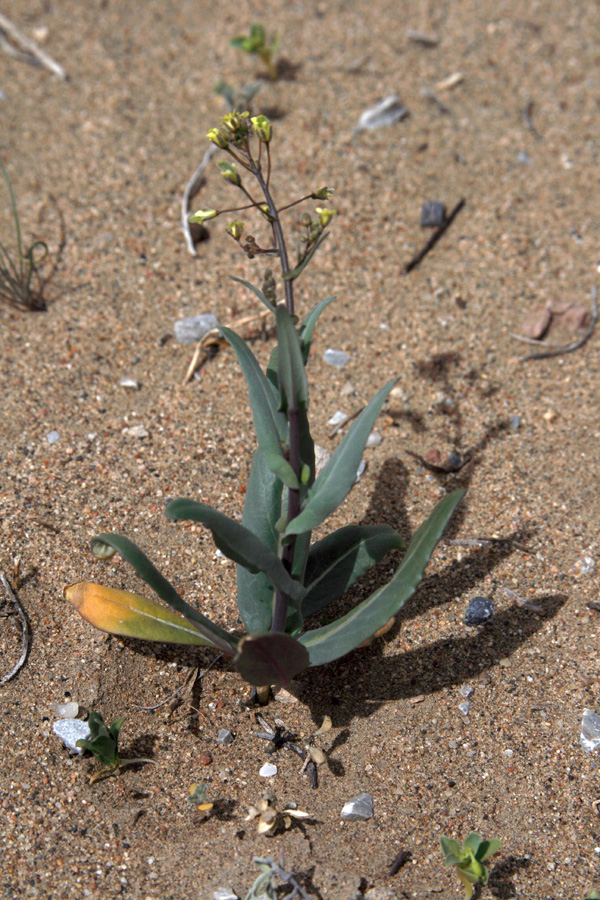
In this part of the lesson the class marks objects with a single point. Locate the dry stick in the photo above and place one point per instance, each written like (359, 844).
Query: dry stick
(213, 339)
(24, 630)
(434, 238)
(191, 189)
(566, 348)
(182, 686)
(30, 47)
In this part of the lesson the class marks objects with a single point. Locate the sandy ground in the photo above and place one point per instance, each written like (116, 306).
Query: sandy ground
(114, 146)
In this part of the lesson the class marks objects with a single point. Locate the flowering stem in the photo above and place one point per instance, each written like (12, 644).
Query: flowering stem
(281, 599)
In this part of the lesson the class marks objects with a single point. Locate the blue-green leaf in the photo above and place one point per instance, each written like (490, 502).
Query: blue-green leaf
(255, 290)
(272, 658)
(340, 637)
(270, 425)
(291, 374)
(299, 269)
(262, 511)
(165, 590)
(238, 544)
(339, 475)
(308, 326)
(335, 563)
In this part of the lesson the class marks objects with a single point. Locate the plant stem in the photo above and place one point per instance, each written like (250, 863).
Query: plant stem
(281, 599)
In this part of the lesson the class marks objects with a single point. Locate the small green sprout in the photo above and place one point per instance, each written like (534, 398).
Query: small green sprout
(256, 44)
(17, 277)
(469, 859)
(197, 796)
(104, 744)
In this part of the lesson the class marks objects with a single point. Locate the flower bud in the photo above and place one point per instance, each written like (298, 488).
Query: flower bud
(262, 128)
(237, 125)
(229, 172)
(217, 137)
(325, 215)
(235, 229)
(323, 193)
(203, 215)
(306, 220)
(264, 209)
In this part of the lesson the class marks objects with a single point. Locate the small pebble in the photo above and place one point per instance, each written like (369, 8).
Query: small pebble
(359, 809)
(268, 770)
(514, 422)
(205, 758)
(70, 731)
(464, 707)
(348, 389)
(479, 610)
(53, 437)
(66, 710)
(361, 470)
(224, 894)
(524, 158)
(193, 329)
(336, 358)
(374, 439)
(337, 418)
(129, 384)
(135, 431)
(224, 737)
(590, 730)
(386, 112)
(466, 690)
(433, 214)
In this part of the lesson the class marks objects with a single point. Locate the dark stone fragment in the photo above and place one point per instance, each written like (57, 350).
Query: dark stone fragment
(433, 214)
(480, 609)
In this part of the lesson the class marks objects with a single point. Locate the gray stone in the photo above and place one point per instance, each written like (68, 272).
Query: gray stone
(193, 329)
(224, 737)
(479, 610)
(70, 731)
(359, 809)
(374, 439)
(130, 384)
(225, 894)
(135, 431)
(433, 214)
(336, 358)
(464, 707)
(386, 112)
(268, 770)
(53, 437)
(67, 710)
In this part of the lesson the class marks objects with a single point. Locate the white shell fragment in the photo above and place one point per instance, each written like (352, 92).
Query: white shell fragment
(137, 432)
(359, 809)
(70, 731)
(337, 358)
(268, 770)
(590, 730)
(464, 707)
(130, 384)
(337, 418)
(193, 329)
(374, 439)
(225, 894)
(67, 710)
(386, 112)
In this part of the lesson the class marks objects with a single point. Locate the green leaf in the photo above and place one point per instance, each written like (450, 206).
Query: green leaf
(291, 374)
(472, 842)
(103, 741)
(255, 290)
(270, 425)
(451, 850)
(299, 269)
(487, 849)
(270, 658)
(308, 326)
(273, 367)
(262, 511)
(165, 590)
(239, 544)
(339, 475)
(340, 637)
(335, 563)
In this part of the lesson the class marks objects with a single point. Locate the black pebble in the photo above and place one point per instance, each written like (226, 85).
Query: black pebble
(479, 610)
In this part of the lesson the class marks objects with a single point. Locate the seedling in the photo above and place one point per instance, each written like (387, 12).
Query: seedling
(197, 796)
(103, 744)
(20, 282)
(468, 859)
(256, 44)
(282, 578)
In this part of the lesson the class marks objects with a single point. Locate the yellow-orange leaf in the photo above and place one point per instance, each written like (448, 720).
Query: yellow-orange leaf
(131, 615)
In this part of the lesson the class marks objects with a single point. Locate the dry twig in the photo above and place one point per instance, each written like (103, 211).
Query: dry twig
(434, 238)
(191, 189)
(29, 50)
(187, 686)
(24, 629)
(560, 350)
